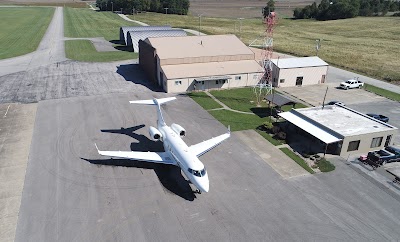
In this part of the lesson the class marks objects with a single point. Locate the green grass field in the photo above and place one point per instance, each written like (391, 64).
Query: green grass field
(367, 45)
(22, 29)
(83, 50)
(88, 23)
(297, 159)
(204, 100)
(382, 92)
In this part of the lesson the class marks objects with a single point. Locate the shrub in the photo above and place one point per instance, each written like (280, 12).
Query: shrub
(281, 135)
(325, 166)
(276, 129)
(267, 125)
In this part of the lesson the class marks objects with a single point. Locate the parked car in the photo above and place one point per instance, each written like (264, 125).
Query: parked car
(379, 117)
(351, 84)
(335, 102)
(387, 155)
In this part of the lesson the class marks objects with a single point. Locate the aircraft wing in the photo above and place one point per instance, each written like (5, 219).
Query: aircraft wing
(205, 146)
(155, 157)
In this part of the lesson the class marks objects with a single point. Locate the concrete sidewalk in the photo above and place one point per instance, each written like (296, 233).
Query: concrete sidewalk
(274, 157)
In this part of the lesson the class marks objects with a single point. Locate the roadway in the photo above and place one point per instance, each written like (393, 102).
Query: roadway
(49, 51)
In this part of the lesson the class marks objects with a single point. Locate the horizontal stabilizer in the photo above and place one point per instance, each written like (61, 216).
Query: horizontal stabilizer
(153, 101)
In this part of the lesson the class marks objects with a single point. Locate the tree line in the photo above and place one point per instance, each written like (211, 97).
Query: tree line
(130, 6)
(341, 9)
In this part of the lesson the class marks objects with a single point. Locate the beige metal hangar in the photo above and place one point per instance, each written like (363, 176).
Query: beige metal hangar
(343, 130)
(181, 64)
(289, 72)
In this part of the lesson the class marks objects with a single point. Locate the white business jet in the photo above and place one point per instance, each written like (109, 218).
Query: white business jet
(176, 151)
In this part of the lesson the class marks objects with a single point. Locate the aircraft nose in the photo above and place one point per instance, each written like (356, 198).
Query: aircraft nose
(205, 185)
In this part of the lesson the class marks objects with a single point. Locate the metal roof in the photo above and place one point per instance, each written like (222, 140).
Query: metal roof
(279, 99)
(334, 120)
(208, 69)
(316, 131)
(199, 46)
(123, 31)
(134, 36)
(300, 62)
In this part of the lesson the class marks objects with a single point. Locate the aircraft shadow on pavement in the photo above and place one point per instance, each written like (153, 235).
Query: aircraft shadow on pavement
(169, 176)
(133, 73)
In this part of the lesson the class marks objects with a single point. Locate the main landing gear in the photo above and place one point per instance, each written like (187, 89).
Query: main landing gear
(198, 191)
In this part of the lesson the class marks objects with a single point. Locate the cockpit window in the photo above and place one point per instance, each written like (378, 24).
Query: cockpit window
(197, 173)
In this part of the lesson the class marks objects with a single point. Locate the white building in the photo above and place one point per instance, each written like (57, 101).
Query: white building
(343, 129)
(289, 72)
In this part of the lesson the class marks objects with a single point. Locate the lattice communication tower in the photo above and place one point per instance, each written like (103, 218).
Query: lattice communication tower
(264, 85)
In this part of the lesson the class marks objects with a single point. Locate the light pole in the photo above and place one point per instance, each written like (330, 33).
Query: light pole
(200, 22)
(240, 27)
(112, 7)
(317, 45)
(166, 10)
(121, 10)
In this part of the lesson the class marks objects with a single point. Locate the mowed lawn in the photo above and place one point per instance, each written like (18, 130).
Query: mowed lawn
(367, 45)
(83, 23)
(22, 29)
(86, 23)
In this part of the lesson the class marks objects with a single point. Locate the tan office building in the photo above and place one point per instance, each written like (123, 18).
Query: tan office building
(289, 72)
(343, 130)
(181, 64)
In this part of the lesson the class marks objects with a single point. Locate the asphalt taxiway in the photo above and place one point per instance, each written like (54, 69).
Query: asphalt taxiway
(73, 194)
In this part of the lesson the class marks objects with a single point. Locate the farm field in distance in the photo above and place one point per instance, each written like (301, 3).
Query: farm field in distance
(26, 31)
(349, 43)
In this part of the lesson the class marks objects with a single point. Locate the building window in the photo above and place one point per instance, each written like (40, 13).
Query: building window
(353, 145)
(238, 77)
(299, 81)
(282, 80)
(178, 82)
(376, 142)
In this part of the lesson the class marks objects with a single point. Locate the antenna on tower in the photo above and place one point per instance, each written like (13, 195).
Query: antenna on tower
(264, 85)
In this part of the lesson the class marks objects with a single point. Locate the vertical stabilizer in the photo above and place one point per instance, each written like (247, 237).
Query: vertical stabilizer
(157, 102)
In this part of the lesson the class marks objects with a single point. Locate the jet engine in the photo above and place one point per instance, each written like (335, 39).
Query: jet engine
(154, 133)
(178, 129)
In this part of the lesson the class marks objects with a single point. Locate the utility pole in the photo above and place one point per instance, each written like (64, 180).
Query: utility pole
(166, 10)
(317, 45)
(112, 6)
(240, 27)
(200, 22)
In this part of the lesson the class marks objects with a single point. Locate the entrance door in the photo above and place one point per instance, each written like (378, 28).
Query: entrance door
(299, 81)
(200, 85)
(388, 138)
(323, 79)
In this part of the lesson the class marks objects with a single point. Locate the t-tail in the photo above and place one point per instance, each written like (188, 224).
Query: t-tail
(157, 102)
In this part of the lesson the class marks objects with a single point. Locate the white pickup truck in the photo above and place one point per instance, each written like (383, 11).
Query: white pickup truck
(351, 84)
